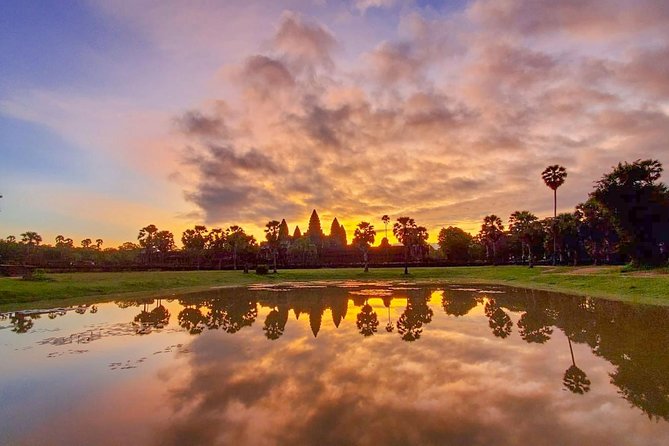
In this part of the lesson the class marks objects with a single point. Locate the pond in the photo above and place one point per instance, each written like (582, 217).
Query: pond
(345, 363)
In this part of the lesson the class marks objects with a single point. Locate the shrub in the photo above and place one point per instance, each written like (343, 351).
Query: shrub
(36, 275)
(262, 269)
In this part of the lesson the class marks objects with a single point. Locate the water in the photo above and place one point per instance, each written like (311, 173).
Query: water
(347, 364)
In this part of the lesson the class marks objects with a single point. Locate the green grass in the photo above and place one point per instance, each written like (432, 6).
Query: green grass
(605, 282)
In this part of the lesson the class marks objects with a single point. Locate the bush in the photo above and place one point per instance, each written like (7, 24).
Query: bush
(262, 269)
(36, 275)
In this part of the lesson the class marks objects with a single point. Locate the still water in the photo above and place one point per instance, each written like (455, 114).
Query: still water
(350, 363)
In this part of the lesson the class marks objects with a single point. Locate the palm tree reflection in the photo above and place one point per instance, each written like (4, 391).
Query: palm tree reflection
(575, 380)
(386, 303)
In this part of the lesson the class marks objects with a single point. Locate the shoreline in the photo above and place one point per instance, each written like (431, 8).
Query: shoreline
(605, 282)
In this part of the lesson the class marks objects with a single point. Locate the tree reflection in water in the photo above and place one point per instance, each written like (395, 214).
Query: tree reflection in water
(458, 303)
(575, 379)
(415, 316)
(498, 320)
(275, 322)
(386, 303)
(633, 339)
(367, 320)
(158, 317)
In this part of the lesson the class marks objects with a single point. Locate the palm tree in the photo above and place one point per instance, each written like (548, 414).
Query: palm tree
(30, 239)
(363, 237)
(403, 230)
(147, 240)
(526, 226)
(272, 229)
(491, 231)
(236, 238)
(554, 177)
(385, 219)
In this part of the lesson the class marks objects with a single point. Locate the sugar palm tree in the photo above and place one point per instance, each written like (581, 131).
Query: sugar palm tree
(403, 230)
(272, 235)
(554, 177)
(492, 230)
(385, 219)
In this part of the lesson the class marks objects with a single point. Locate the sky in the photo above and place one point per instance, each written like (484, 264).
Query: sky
(119, 114)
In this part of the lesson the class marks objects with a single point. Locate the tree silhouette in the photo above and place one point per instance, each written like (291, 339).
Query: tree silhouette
(528, 229)
(236, 240)
(32, 240)
(535, 325)
(192, 319)
(275, 323)
(416, 314)
(231, 315)
(492, 230)
(164, 242)
(386, 303)
(147, 240)
(575, 379)
(597, 230)
(272, 236)
(385, 219)
(498, 320)
(403, 231)
(458, 305)
(21, 323)
(367, 320)
(195, 240)
(567, 235)
(639, 207)
(363, 238)
(86, 243)
(554, 177)
(454, 244)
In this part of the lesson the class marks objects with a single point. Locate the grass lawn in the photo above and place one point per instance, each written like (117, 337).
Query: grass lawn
(648, 287)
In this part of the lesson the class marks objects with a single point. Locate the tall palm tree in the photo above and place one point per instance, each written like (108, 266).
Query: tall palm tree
(403, 230)
(554, 177)
(385, 219)
(272, 235)
(492, 230)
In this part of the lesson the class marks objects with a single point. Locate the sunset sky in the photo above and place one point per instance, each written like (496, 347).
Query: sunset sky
(118, 114)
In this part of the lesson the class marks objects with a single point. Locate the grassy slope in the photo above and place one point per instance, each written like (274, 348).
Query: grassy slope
(607, 282)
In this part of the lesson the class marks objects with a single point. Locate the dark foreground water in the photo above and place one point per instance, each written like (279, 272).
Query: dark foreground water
(380, 364)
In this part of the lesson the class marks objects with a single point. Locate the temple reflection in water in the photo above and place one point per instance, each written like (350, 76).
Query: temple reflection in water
(397, 330)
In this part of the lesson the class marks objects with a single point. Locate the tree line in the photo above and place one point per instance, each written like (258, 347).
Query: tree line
(625, 218)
